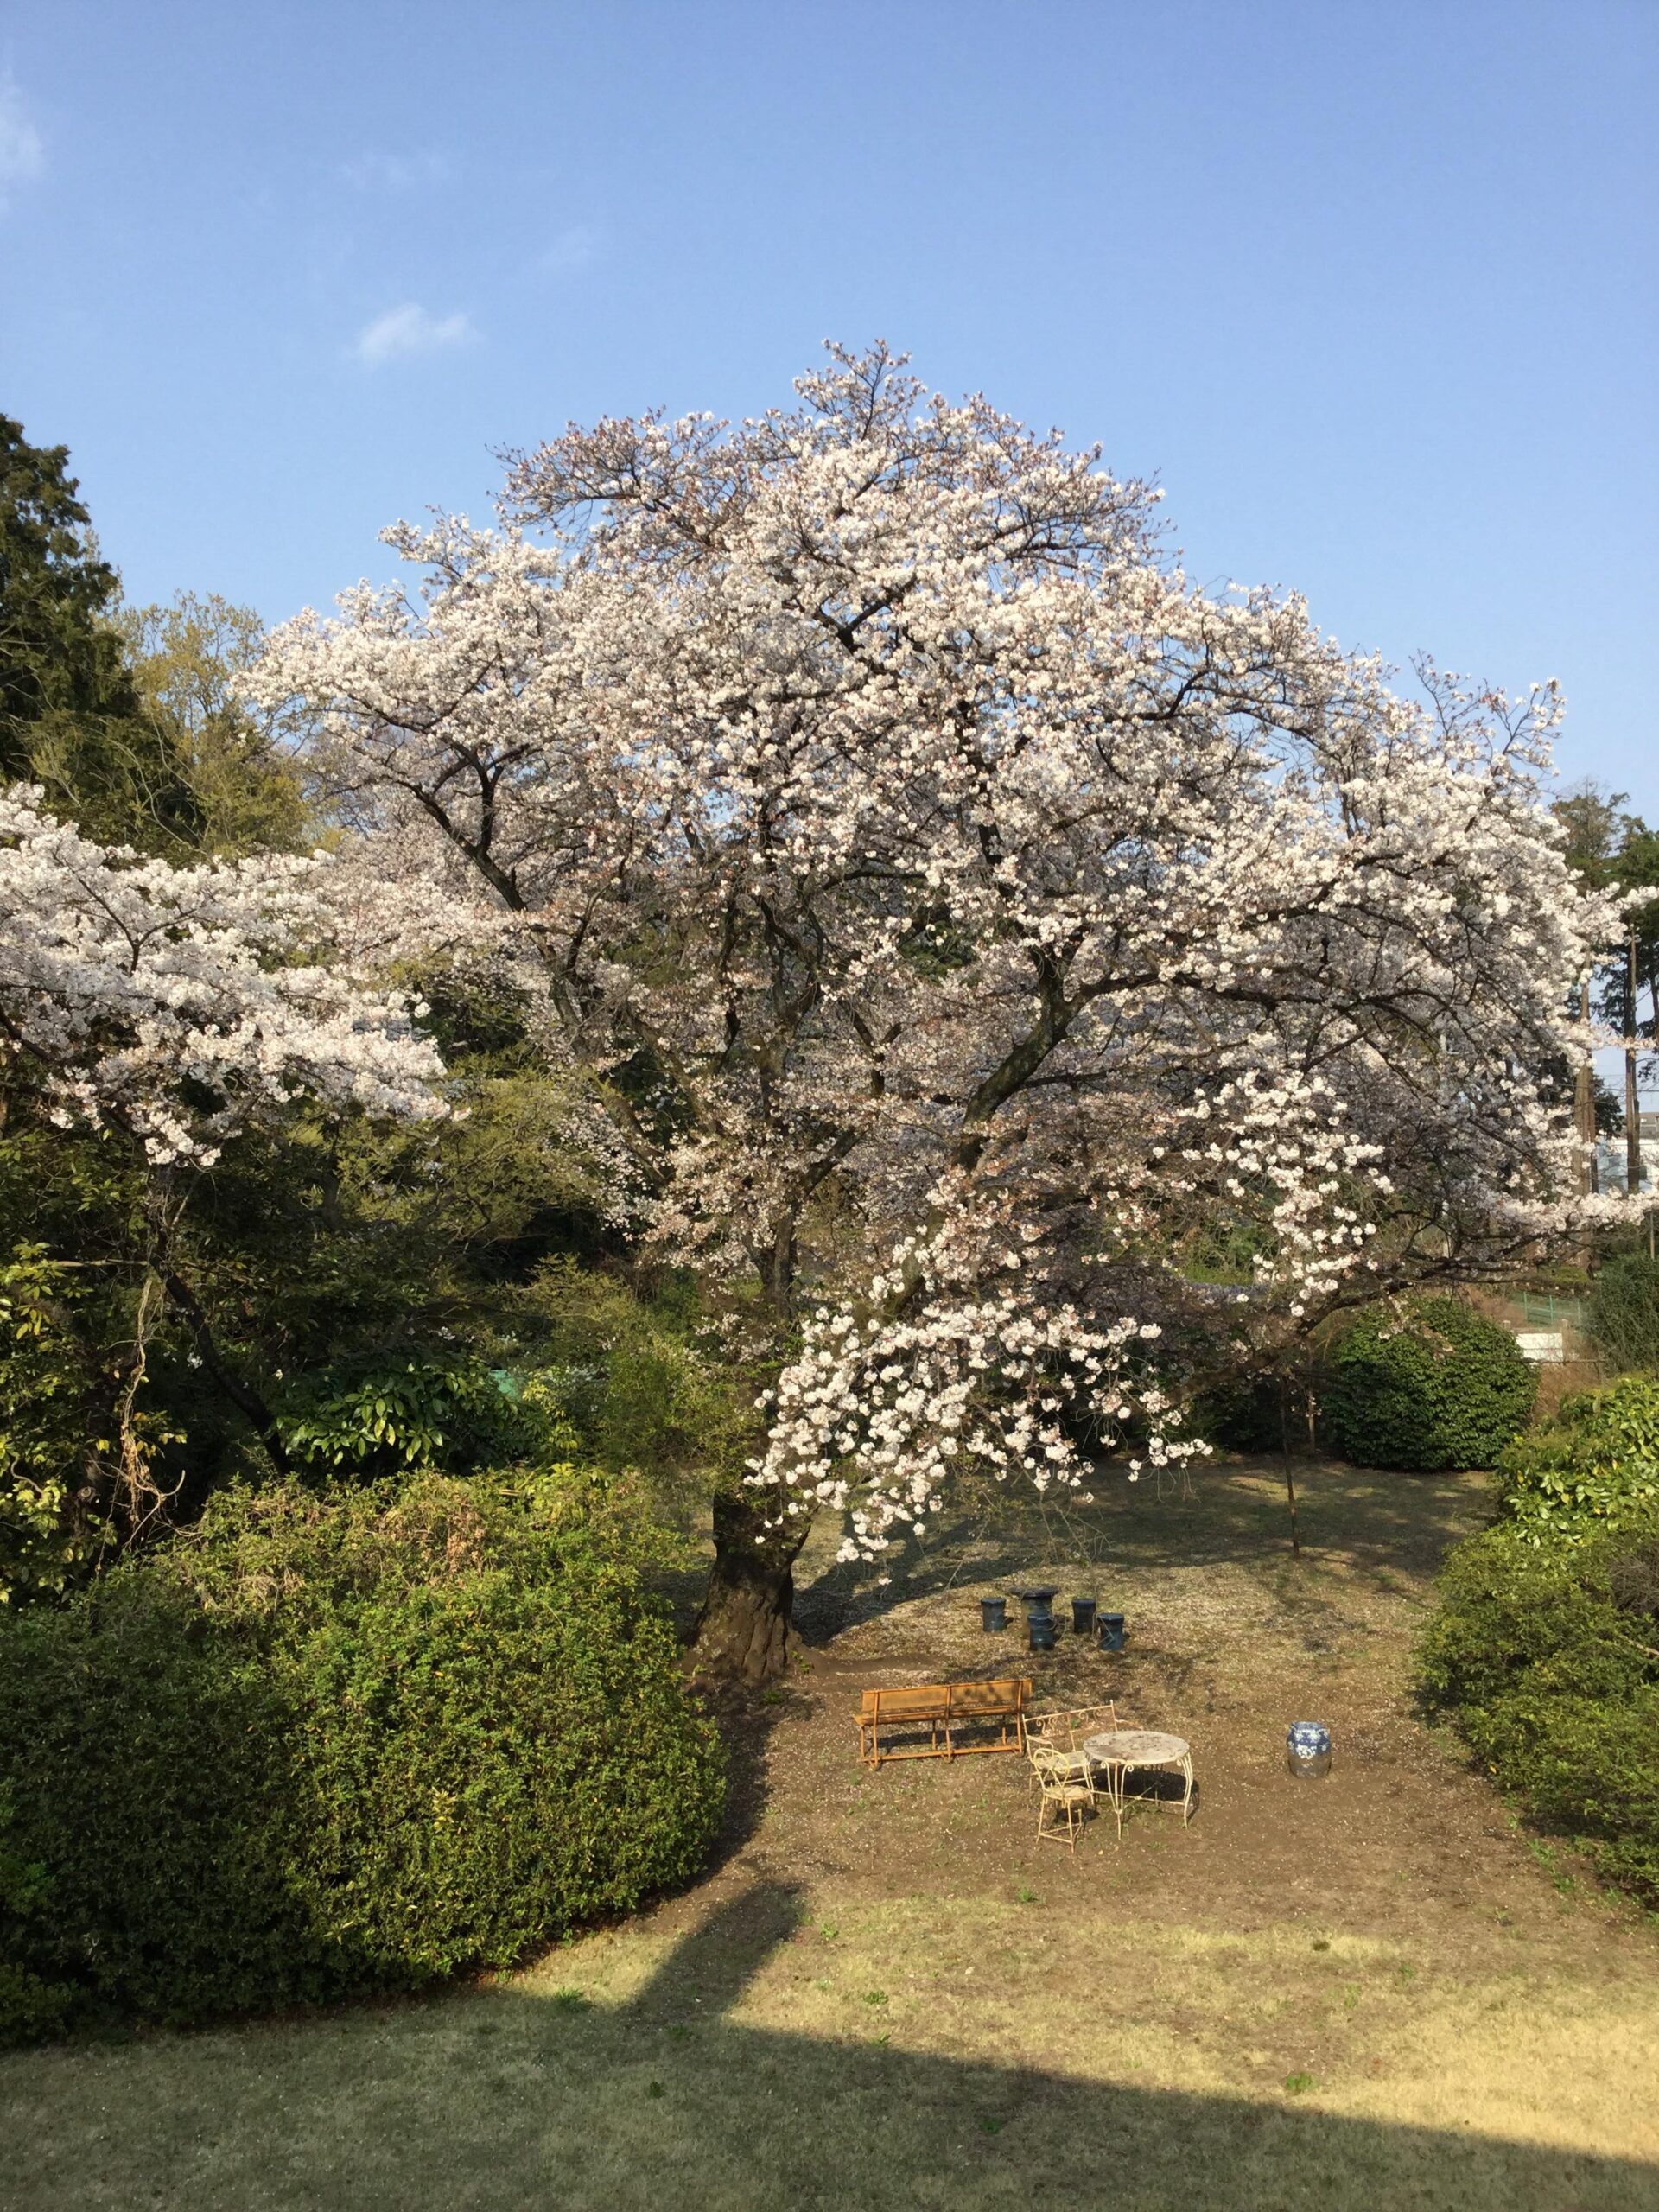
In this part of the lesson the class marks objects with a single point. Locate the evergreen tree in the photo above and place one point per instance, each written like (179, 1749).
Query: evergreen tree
(71, 715)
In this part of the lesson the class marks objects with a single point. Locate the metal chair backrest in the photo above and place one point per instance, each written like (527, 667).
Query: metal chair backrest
(1056, 1768)
(1069, 1727)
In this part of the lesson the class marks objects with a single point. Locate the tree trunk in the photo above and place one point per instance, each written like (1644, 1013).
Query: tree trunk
(742, 1633)
(1585, 1107)
(241, 1393)
(1632, 1094)
(1290, 1472)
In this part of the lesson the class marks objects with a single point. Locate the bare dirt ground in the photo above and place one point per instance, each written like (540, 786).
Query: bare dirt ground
(1230, 1640)
(1369, 1991)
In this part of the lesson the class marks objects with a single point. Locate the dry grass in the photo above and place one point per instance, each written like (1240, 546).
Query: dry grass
(1366, 1992)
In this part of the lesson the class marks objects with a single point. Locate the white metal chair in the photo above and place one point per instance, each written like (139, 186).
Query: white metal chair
(1065, 1788)
(1067, 1727)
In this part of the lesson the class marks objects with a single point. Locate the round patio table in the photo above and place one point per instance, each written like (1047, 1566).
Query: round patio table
(1122, 1750)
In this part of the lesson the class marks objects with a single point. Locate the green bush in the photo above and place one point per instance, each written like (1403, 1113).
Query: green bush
(326, 1744)
(1593, 1466)
(1546, 1657)
(29, 2006)
(422, 1415)
(1429, 1385)
(1241, 1415)
(1623, 1311)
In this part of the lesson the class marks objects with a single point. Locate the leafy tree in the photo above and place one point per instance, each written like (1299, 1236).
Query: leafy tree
(170, 1011)
(295, 1253)
(1612, 849)
(70, 1431)
(322, 1256)
(185, 659)
(1630, 975)
(128, 717)
(1623, 1311)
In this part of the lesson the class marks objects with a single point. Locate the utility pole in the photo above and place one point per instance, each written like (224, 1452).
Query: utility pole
(1632, 1101)
(1585, 1105)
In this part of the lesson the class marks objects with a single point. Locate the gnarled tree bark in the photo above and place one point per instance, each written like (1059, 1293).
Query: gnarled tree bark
(743, 1630)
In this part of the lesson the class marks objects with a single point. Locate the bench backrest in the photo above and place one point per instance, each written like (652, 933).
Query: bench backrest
(918, 1701)
(1009, 1696)
(925, 1701)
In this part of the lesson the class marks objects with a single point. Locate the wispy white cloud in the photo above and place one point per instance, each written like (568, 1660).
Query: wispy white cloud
(571, 250)
(407, 330)
(22, 151)
(394, 172)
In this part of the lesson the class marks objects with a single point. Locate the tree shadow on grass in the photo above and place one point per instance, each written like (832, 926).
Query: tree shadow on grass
(1373, 1522)
(502, 2100)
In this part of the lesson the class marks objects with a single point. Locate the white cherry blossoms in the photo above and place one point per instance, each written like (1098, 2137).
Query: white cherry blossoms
(176, 1004)
(959, 1361)
(969, 922)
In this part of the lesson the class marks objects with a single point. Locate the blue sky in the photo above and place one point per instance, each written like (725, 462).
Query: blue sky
(1371, 289)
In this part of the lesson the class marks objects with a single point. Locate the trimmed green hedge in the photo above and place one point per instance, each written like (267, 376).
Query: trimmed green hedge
(1546, 1657)
(1429, 1386)
(324, 1746)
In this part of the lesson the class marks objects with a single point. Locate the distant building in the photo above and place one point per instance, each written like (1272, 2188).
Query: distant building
(1609, 1158)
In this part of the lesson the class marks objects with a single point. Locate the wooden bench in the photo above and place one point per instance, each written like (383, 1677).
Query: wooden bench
(943, 1708)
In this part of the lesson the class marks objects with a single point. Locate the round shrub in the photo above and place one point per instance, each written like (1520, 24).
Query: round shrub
(1546, 1657)
(1430, 1385)
(326, 1745)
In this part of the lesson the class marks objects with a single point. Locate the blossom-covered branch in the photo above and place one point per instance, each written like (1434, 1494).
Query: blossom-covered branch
(177, 1004)
(969, 917)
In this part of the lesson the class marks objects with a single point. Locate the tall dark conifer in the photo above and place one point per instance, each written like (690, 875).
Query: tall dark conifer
(70, 716)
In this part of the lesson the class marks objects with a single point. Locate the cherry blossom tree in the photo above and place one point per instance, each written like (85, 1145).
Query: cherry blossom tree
(170, 1009)
(965, 921)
